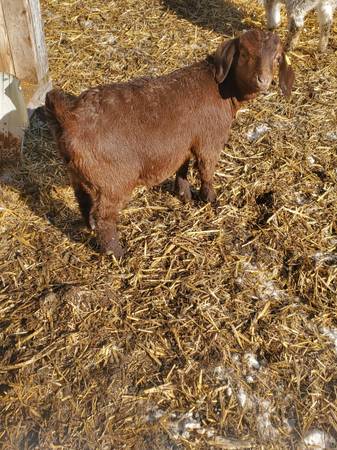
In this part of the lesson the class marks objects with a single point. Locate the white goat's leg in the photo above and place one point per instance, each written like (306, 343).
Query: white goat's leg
(273, 13)
(325, 12)
(295, 24)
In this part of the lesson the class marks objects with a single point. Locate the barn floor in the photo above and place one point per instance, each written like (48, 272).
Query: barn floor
(219, 328)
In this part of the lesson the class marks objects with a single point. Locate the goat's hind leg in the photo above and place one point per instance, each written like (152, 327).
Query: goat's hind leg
(106, 215)
(182, 186)
(85, 204)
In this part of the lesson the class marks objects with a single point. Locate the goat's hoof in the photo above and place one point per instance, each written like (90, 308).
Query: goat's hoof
(207, 195)
(91, 224)
(183, 190)
(185, 196)
(113, 248)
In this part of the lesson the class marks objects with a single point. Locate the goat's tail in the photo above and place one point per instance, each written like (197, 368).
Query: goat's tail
(58, 107)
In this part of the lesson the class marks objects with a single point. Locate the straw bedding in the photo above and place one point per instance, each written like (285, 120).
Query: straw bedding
(219, 328)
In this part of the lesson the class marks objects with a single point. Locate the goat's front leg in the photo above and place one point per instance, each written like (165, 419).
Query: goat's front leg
(106, 216)
(325, 12)
(295, 25)
(273, 13)
(206, 166)
(182, 186)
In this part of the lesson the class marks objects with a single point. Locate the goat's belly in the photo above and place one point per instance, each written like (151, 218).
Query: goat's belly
(156, 171)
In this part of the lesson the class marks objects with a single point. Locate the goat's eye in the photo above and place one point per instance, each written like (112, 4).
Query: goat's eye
(243, 54)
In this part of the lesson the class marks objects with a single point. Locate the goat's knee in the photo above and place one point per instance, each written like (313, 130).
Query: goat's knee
(325, 15)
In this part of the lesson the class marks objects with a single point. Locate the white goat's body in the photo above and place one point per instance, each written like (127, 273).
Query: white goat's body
(296, 11)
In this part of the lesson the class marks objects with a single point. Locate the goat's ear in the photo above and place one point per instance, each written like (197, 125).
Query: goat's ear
(286, 75)
(223, 59)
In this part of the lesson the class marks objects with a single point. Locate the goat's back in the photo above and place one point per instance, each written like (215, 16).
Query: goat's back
(147, 127)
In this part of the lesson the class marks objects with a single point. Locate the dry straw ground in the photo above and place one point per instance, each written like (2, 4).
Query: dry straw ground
(217, 330)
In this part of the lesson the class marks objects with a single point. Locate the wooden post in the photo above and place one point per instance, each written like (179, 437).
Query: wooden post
(22, 48)
(24, 79)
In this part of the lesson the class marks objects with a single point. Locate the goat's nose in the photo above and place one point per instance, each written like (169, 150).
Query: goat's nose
(263, 81)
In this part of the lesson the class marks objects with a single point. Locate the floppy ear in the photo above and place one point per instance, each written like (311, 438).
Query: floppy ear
(286, 75)
(223, 59)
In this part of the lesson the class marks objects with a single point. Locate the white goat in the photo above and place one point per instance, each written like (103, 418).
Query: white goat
(296, 11)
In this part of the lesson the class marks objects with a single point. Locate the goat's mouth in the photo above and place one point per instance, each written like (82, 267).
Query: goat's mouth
(251, 88)
(263, 89)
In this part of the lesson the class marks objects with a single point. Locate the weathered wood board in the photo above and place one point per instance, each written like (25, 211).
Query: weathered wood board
(22, 48)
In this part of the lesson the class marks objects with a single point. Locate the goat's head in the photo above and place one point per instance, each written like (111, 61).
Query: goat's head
(251, 60)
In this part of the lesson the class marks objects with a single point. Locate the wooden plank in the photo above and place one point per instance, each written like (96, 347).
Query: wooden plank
(6, 59)
(36, 32)
(22, 20)
(17, 29)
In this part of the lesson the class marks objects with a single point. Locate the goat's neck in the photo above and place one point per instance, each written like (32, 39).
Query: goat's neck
(231, 92)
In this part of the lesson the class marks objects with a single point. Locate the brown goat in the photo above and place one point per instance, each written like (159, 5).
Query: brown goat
(119, 136)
